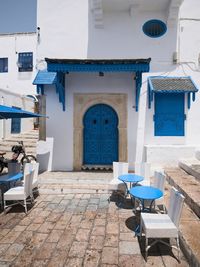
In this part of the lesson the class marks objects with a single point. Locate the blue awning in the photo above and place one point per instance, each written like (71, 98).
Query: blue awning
(45, 77)
(98, 65)
(159, 84)
(9, 113)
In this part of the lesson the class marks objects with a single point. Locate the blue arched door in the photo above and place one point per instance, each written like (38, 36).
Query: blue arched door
(100, 141)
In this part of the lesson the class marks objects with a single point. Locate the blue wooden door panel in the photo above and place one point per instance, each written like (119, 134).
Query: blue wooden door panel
(169, 114)
(16, 124)
(100, 135)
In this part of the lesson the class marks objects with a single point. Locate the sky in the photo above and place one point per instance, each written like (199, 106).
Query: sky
(17, 16)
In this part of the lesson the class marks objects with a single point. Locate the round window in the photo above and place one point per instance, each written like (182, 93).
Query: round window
(154, 28)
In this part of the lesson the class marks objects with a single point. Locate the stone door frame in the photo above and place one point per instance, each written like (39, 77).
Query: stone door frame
(81, 104)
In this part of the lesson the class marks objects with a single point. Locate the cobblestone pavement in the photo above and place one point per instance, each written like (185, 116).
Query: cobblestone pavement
(76, 230)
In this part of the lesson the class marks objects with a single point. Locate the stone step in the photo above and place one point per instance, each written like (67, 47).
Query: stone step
(83, 182)
(191, 166)
(189, 232)
(187, 185)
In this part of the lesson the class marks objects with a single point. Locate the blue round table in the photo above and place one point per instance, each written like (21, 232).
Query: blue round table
(131, 178)
(146, 193)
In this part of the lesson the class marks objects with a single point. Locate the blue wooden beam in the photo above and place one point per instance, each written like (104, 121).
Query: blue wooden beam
(60, 88)
(138, 80)
(189, 100)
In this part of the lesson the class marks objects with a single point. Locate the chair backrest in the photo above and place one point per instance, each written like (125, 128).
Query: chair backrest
(35, 167)
(27, 168)
(143, 169)
(175, 206)
(159, 180)
(28, 180)
(119, 168)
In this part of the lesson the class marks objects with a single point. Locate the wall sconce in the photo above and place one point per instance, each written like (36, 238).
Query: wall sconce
(101, 74)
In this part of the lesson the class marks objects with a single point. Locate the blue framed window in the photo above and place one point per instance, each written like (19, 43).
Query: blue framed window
(169, 114)
(25, 62)
(16, 124)
(154, 28)
(4, 64)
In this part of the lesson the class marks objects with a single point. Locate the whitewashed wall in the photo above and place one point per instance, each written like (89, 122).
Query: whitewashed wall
(10, 46)
(13, 99)
(67, 31)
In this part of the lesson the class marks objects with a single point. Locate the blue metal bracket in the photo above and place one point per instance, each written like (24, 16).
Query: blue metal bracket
(40, 89)
(189, 100)
(60, 88)
(138, 81)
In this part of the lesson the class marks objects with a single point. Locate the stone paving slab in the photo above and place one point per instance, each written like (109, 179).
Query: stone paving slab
(57, 231)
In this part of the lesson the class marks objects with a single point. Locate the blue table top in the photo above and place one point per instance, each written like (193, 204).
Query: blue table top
(7, 178)
(130, 178)
(146, 192)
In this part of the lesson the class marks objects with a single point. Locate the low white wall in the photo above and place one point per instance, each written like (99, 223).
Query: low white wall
(168, 154)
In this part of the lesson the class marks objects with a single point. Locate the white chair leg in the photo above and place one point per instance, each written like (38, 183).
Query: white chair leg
(178, 246)
(146, 246)
(25, 206)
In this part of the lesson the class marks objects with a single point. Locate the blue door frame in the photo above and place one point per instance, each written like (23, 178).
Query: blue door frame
(100, 135)
(169, 114)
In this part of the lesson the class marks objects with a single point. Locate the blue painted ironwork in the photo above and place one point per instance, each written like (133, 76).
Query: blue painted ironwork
(60, 88)
(4, 64)
(45, 77)
(138, 80)
(169, 114)
(100, 135)
(154, 28)
(64, 67)
(189, 100)
(25, 62)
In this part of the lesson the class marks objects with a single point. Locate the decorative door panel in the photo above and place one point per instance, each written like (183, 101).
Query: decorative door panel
(100, 135)
(169, 114)
(15, 124)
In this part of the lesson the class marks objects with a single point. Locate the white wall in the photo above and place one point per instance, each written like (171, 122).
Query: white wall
(60, 124)
(10, 46)
(13, 99)
(68, 31)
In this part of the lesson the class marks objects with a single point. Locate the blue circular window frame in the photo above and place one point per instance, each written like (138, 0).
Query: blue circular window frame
(160, 22)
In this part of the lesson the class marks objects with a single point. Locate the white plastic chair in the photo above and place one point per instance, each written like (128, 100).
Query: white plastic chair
(20, 194)
(115, 185)
(157, 226)
(159, 182)
(143, 169)
(35, 167)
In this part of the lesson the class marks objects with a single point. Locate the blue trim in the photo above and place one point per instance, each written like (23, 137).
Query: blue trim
(60, 88)
(189, 100)
(40, 89)
(64, 67)
(45, 77)
(150, 30)
(138, 80)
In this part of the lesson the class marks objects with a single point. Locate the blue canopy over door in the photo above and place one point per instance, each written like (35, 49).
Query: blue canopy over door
(100, 144)
(169, 114)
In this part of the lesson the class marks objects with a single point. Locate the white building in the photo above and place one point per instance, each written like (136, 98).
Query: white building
(17, 70)
(121, 79)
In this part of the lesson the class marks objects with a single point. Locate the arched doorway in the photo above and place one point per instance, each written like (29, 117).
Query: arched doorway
(100, 135)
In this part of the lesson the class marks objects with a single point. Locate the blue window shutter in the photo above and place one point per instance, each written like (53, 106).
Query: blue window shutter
(169, 114)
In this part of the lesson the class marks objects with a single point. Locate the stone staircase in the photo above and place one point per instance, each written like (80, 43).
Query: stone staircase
(186, 178)
(75, 182)
(29, 138)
